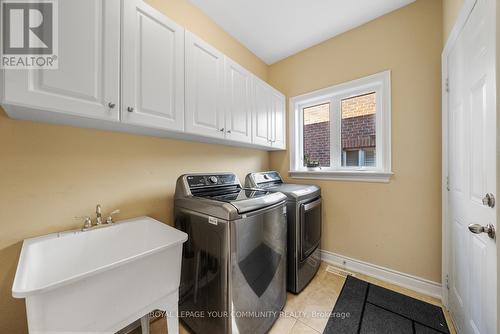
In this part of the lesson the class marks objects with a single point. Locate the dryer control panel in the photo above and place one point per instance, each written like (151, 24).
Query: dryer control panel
(264, 179)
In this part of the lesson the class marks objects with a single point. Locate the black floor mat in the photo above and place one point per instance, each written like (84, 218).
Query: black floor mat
(366, 308)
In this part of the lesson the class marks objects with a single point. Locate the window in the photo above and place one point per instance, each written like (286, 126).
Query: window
(343, 132)
(358, 127)
(317, 135)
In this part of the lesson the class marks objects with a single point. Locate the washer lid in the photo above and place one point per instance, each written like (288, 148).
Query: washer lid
(235, 195)
(297, 191)
(245, 200)
(257, 203)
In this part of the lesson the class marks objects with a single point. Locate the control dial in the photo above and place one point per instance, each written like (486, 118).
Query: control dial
(213, 179)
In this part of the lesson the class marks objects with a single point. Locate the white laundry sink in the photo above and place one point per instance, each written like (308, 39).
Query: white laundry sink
(100, 281)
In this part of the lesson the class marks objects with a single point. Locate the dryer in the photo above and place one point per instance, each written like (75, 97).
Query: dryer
(304, 225)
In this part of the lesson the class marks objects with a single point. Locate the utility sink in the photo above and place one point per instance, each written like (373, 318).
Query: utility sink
(100, 281)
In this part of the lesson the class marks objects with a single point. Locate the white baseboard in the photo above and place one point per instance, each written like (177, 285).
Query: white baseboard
(411, 282)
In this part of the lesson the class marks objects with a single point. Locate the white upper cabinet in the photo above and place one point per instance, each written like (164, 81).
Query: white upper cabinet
(204, 88)
(238, 116)
(152, 69)
(87, 82)
(262, 113)
(269, 115)
(124, 66)
(278, 120)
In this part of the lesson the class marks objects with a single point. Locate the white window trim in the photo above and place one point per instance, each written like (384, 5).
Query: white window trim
(379, 83)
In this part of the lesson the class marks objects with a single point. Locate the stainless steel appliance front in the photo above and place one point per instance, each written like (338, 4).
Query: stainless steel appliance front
(304, 225)
(234, 270)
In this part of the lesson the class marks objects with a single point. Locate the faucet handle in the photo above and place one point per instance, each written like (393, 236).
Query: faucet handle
(87, 221)
(109, 220)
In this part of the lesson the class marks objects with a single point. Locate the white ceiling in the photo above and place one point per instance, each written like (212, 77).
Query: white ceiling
(276, 29)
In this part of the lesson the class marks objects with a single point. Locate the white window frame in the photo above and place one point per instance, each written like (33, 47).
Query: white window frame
(379, 83)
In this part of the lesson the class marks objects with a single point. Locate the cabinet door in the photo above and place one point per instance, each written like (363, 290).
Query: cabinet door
(238, 117)
(87, 82)
(262, 113)
(153, 68)
(278, 120)
(204, 88)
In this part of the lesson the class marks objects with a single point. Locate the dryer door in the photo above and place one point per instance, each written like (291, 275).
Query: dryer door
(310, 227)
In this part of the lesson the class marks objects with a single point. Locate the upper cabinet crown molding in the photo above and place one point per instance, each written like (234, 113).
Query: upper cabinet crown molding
(138, 71)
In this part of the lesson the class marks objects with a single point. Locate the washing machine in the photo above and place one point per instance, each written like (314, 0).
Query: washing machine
(233, 276)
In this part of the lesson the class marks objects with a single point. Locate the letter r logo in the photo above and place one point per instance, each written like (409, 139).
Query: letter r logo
(27, 27)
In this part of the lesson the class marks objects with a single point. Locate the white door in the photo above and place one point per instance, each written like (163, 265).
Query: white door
(262, 113)
(204, 88)
(238, 118)
(87, 82)
(278, 120)
(472, 270)
(152, 69)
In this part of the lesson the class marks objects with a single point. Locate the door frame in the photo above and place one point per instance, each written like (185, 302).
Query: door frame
(460, 22)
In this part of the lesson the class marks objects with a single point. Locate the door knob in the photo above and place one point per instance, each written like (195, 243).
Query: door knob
(489, 200)
(478, 229)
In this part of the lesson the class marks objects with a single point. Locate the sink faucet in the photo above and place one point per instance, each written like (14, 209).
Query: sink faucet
(87, 225)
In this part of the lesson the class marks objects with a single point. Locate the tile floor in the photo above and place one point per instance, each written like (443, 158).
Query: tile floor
(307, 312)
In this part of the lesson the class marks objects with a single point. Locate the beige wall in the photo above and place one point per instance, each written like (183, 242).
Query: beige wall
(395, 225)
(49, 174)
(451, 8)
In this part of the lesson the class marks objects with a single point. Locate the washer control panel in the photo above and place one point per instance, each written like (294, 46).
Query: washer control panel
(200, 181)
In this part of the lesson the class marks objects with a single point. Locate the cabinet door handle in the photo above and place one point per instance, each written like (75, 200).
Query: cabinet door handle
(228, 131)
(130, 109)
(221, 130)
(111, 105)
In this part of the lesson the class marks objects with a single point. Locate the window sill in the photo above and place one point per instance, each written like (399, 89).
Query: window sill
(337, 175)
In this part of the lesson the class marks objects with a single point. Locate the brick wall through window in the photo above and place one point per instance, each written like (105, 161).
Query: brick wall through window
(317, 142)
(317, 134)
(358, 128)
